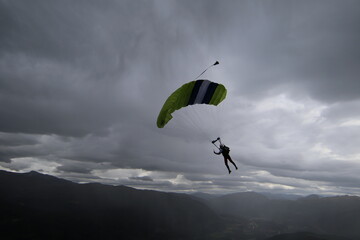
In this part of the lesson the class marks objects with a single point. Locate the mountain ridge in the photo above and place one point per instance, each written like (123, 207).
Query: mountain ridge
(33, 207)
(39, 206)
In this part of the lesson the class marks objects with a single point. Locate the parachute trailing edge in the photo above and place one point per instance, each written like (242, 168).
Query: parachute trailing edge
(196, 92)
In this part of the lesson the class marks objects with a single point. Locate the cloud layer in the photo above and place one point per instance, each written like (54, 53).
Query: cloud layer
(81, 84)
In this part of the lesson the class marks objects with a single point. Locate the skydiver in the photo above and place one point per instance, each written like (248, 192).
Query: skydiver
(224, 150)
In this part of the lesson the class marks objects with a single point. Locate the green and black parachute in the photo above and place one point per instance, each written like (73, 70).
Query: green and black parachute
(200, 91)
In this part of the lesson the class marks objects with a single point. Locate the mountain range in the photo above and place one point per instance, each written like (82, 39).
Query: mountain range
(39, 206)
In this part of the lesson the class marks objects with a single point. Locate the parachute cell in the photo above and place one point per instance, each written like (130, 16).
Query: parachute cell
(196, 92)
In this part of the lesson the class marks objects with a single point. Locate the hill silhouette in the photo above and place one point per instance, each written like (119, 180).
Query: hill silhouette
(339, 215)
(306, 236)
(37, 206)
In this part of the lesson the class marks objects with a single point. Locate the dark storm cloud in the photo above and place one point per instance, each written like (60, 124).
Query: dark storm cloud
(61, 70)
(311, 46)
(145, 178)
(330, 64)
(17, 140)
(18, 145)
(75, 167)
(83, 35)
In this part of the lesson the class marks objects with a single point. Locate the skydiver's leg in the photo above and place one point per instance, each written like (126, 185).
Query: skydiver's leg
(226, 164)
(232, 161)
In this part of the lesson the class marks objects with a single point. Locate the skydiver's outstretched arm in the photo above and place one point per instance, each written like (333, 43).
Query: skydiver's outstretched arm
(217, 153)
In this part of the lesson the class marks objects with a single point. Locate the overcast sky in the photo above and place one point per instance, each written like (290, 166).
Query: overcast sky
(82, 83)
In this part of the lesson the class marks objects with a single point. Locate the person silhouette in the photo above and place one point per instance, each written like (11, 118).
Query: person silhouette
(225, 150)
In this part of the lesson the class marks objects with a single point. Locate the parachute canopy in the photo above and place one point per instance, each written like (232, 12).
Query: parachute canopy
(196, 92)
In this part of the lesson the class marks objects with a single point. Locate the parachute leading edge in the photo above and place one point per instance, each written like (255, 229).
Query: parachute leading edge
(196, 92)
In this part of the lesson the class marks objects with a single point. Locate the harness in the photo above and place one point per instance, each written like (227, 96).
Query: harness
(225, 149)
